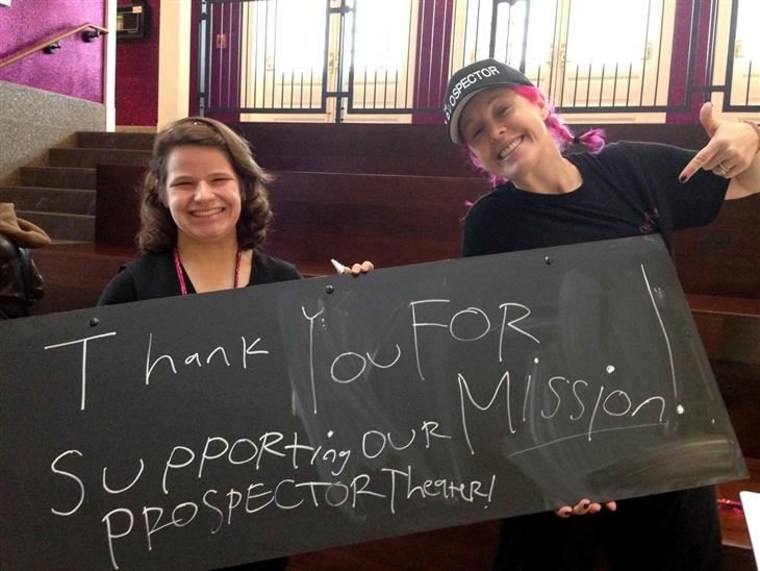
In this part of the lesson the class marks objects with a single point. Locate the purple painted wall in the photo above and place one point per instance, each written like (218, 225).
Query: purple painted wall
(137, 75)
(76, 69)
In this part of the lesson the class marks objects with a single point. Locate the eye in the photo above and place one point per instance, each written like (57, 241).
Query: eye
(474, 135)
(181, 184)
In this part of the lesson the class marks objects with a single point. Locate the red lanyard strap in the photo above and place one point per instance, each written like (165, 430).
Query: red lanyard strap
(181, 274)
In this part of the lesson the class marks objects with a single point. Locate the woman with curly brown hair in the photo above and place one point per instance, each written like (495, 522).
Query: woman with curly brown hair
(204, 214)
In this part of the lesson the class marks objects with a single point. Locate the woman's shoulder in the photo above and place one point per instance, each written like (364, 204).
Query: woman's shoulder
(493, 207)
(617, 150)
(628, 151)
(268, 268)
(132, 279)
(148, 262)
(637, 157)
(496, 195)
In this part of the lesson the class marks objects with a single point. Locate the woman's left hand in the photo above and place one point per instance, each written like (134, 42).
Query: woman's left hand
(585, 506)
(732, 148)
(356, 269)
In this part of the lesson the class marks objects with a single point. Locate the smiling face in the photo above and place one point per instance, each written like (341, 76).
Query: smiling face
(507, 133)
(202, 193)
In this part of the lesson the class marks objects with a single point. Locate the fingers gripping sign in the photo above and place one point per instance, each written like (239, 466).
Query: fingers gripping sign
(584, 507)
(730, 151)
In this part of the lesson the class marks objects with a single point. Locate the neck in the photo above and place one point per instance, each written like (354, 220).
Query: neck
(554, 176)
(204, 252)
(211, 266)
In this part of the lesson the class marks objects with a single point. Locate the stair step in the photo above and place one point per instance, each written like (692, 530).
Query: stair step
(63, 200)
(73, 157)
(68, 227)
(106, 140)
(59, 177)
(61, 197)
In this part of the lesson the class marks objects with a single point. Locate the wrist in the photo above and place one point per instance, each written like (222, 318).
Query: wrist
(756, 127)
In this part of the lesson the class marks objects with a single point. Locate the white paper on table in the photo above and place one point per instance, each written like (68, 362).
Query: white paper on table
(751, 507)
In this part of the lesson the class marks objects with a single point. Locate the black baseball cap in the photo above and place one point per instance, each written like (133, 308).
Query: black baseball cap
(472, 79)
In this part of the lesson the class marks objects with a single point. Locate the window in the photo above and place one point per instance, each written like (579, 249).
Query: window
(385, 60)
(744, 60)
(383, 54)
(299, 54)
(584, 54)
(283, 54)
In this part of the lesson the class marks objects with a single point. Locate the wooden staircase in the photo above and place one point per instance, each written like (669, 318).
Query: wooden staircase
(60, 196)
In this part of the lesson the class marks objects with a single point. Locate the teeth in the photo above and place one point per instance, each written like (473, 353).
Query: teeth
(509, 148)
(205, 213)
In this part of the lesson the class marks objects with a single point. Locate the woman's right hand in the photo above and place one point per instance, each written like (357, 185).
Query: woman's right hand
(585, 506)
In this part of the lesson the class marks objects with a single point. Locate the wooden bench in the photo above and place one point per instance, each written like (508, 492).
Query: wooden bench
(75, 274)
(389, 219)
(722, 259)
(405, 149)
(730, 330)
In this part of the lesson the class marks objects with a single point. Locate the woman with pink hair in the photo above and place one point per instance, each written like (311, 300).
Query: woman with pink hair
(544, 197)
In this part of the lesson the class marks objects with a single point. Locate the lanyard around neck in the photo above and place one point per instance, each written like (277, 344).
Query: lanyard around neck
(181, 273)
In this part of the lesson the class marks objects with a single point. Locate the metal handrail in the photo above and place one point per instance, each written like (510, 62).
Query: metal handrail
(51, 41)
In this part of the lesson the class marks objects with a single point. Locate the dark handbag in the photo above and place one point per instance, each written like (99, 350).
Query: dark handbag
(21, 284)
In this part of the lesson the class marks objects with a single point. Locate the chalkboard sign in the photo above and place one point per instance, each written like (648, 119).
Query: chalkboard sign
(209, 430)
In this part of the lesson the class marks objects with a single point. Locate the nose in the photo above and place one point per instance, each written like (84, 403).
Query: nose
(202, 191)
(495, 130)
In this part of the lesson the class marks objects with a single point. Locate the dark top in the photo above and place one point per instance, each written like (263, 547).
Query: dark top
(628, 189)
(153, 275)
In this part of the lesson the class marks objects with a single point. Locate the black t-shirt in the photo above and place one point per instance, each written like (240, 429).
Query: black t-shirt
(628, 189)
(154, 275)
